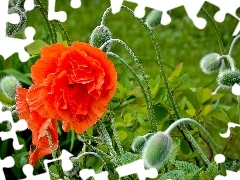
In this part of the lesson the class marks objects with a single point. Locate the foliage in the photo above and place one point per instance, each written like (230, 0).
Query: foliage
(143, 98)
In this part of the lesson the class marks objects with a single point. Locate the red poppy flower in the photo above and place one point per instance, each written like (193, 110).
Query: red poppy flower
(73, 84)
(38, 125)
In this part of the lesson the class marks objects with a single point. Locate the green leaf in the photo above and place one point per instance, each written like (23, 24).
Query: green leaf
(20, 76)
(176, 72)
(203, 94)
(36, 46)
(184, 146)
(122, 135)
(161, 113)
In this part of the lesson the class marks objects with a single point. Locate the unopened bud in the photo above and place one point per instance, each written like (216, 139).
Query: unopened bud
(228, 78)
(154, 18)
(157, 149)
(13, 29)
(138, 143)
(76, 167)
(210, 63)
(8, 85)
(99, 36)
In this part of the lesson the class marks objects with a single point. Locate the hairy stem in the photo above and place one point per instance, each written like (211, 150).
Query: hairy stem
(233, 44)
(51, 28)
(54, 154)
(151, 115)
(205, 133)
(217, 32)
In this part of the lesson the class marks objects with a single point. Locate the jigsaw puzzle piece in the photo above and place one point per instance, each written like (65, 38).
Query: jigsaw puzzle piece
(12, 18)
(12, 45)
(60, 15)
(226, 7)
(87, 173)
(28, 171)
(137, 167)
(20, 125)
(7, 162)
(29, 5)
(192, 8)
(65, 159)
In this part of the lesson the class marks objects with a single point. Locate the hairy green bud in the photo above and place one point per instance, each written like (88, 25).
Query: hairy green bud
(210, 63)
(156, 150)
(138, 143)
(8, 85)
(99, 36)
(154, 18)
(76, 167)
(13, 29)
(228, 78)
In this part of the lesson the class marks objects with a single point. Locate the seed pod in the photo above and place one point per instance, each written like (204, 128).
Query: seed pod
(8, 85)
(138, 143)
(156, 150)
(99, 36)
(210, 63)
(13, 29)
(228, 78)
(76, 167)
(154, 18)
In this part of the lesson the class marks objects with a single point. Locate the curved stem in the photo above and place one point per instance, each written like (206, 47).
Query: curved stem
(64, 32)
(229, 60)
(117, 140)
(205, 133)
(217, 32)
(94, 154)
(133, 73)
(148, 93)
(188, 137)
(50, 26)
(233, 44)
(54, 154)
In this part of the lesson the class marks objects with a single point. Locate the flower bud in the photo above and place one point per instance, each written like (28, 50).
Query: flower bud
(76, 167)
(156, 150)
(8, 85)
(210, 63)
(154, 18)
(138, 143)
(13, 29)
(99, 36)
(228, 78)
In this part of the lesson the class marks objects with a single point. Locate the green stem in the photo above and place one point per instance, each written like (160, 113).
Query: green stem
(50, 26)
(233, 44)
(94, 154)
(107, 140)
(151, 115)
(133, 73)
(54, 154)
(238, 100)
(65, 34)
(113, 125)
(205, 133)
(230, 61)
(186, 134)
(98, 151)
(188, 137)
(217, 32)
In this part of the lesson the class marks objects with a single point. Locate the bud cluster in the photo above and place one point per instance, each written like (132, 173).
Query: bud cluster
(155, 148)
(228, 74)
